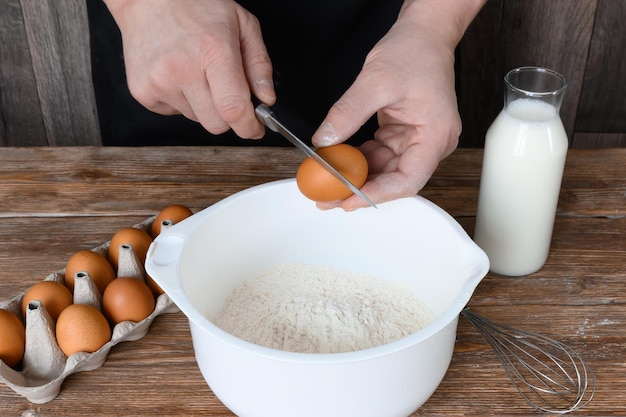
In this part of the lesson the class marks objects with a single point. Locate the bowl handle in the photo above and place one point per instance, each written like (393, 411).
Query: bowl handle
(162, 265)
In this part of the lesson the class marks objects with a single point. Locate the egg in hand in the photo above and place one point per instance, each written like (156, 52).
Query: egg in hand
(317, 184)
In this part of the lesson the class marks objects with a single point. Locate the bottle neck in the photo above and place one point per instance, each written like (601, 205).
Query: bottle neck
(535, 83)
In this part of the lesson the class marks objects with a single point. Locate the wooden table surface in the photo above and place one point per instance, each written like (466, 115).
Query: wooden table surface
(55, 201)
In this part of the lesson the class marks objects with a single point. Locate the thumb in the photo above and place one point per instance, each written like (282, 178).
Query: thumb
(346, 116)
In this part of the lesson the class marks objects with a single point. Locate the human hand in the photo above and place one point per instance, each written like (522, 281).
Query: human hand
(202, 59)
(408, 81)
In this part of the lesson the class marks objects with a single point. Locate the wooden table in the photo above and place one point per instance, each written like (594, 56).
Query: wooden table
(55, 201)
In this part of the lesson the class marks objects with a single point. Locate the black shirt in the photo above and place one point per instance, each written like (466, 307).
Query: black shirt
(317, 48)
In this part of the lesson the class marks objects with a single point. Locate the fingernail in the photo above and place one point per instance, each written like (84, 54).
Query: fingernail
(265, 83)
(267, 88)
(326, 135)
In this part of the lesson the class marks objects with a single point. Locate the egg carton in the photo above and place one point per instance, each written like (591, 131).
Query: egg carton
(44, 368)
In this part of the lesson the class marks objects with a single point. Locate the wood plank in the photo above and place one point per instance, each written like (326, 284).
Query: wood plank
(21, 120)
(580, 327)
(590, 178)
(579, 245)
(602, 105)
(43, 245)
(511, 33)
(96, 181)
(58, 37)
(76, 188)
(585, 140)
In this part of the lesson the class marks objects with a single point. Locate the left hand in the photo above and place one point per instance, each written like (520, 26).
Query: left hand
(408, 81)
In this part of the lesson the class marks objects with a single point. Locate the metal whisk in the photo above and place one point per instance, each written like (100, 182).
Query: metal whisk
(549, 375)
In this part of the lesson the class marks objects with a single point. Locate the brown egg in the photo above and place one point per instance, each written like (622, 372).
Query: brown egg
(82, 328)
(318, 184)
(154, 287)
(12, 339)
(129, 299)
(137, 238)
(96, 265)
(54, 296)
(175, 213)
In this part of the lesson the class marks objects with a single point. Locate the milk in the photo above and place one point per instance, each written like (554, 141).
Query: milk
(524, 156)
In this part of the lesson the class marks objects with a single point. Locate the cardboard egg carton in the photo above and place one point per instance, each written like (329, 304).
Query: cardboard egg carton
(41, 373)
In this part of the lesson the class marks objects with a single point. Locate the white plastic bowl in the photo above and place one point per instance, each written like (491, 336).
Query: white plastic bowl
(199, 261)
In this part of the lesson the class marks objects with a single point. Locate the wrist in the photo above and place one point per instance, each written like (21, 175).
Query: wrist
(448, 19)
(115, 6)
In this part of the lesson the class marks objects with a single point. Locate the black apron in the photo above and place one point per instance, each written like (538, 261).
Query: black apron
(317, 48)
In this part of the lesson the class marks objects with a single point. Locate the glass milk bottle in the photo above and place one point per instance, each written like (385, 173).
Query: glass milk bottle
(524, 156)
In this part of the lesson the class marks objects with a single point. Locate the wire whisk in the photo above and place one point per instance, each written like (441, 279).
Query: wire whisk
(550, 376)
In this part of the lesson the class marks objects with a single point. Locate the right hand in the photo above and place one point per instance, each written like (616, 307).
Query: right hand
(203, 59)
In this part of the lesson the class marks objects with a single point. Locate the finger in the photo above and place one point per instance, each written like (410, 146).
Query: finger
(154, 94)
(349, 113)
(327, 205)
(404, 176)
(229, 88)
(381, 188)
(256, 61)
(379, 157)
(411, 173)
(200, 103)
(168, 110)
(163, 108)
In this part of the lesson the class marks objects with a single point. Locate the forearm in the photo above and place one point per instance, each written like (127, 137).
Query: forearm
(448, 19)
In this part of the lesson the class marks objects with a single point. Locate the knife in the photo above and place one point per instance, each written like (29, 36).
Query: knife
(265, 115)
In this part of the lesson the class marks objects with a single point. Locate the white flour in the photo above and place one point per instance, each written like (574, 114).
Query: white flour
(318, 309)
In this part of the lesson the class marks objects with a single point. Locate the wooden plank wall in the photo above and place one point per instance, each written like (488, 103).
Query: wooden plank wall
(584, 40)
(601, 119)
(21, 121)
(46, 96)
(45, 74)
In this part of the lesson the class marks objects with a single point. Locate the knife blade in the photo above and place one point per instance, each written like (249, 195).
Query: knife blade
(266, 116)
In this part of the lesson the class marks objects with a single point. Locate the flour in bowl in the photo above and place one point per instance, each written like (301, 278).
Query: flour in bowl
(319, 309)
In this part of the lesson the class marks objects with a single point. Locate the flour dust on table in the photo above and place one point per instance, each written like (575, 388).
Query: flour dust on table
(318, 309)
